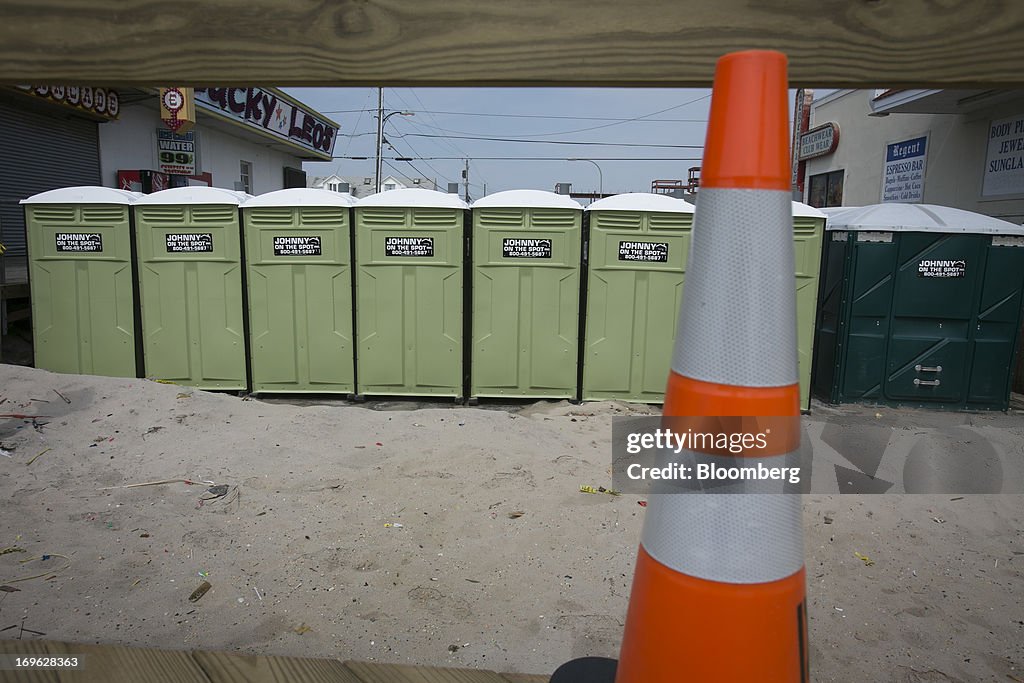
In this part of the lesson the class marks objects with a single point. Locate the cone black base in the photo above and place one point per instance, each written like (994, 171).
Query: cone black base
(586, 670)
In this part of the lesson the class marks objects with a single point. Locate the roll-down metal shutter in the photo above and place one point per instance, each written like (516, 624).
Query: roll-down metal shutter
(41, 152)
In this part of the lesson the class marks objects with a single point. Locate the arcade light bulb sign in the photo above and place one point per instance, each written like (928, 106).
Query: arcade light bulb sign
(178, 108)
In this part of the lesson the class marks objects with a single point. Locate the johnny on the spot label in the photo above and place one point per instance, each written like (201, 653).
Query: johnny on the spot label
(189, 242)
(643, 251)
(525, 248)
(79, 241)
(288, 245)
(408, 246)
(942, 268)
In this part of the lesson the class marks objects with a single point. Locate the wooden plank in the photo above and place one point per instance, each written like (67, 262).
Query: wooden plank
(400, 673)
(31, 648)
(222, 667)
(860, 43)
(119, 664)
(526, 678)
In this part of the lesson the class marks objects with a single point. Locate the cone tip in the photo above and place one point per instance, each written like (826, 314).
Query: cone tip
(747, 143)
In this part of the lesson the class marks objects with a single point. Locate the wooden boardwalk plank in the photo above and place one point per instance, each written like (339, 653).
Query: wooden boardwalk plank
(119, 664)
(400, 673)
(657, 43)
(32, 648)
(223, 667)
(526, 678)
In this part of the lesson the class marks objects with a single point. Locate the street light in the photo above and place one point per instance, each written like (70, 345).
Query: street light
(600, 176)
(381, 120)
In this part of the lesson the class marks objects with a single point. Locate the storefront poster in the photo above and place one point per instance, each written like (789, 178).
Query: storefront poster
(176, 152)
(903, 173)
(1004, 162)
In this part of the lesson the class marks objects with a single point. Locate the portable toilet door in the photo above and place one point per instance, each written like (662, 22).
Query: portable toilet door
(190, 282)
(637, 250)
(526, 295)
(409, 293)
(82, 280)
(299, 268)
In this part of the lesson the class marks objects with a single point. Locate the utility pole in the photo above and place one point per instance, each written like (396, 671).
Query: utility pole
(465, 176)
(380, 133)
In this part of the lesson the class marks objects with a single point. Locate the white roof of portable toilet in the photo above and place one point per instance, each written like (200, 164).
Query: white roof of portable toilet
(195, 194)
(894, 217)
(807, 211)
(642, 201)
(526, 199)
(416, 197)
(84, 194)
(300, 196)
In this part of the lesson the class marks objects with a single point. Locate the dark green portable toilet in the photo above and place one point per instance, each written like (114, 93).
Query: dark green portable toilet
(82, 281)
(409, 293)
(920, 305)
(299, 268)
(190, 283)
(637, 249)
(526, 295)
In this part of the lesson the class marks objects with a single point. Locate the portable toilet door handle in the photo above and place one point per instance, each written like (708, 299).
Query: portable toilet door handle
(924, 368)
(927, 382)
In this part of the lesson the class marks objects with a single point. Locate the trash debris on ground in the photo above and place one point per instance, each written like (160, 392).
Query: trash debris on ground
(302, 628)
(66, 399)
(642, 503)
(865, 559)
(45, 450)
(9, 589)
(200, 592)
(828, 520)
(41, 558)
(599, 489)
(190, 482)
(6, 453)
(938, 520)
(395, 525)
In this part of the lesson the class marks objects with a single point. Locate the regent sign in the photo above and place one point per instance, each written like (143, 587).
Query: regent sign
(818, 142)
(269, 112)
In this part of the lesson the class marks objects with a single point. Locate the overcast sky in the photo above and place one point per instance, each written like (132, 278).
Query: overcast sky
(667, 125)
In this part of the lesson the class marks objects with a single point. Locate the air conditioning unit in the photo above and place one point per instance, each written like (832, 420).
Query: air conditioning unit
(415, 181)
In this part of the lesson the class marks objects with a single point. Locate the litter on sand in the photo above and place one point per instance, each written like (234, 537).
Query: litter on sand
(190, 482)
(45, 450)
(865, 559)
(200, 592)
(395, 525)
(599, 489)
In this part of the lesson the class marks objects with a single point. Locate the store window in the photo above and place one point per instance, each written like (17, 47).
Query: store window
(826, 189)
(245, 176)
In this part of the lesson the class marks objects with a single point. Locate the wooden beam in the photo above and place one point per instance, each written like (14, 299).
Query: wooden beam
(223, 667)
(831, 43)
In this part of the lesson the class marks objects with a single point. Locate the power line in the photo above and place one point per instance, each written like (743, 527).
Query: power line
(476, 158)
(553, 142)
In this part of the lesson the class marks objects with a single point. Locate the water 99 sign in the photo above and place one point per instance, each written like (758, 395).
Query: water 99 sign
(656, 252)
(190, 242)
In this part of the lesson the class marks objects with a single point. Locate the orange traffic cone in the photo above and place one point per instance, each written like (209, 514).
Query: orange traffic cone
(718, 591)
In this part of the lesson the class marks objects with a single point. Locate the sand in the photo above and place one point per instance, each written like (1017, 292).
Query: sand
(442, 535)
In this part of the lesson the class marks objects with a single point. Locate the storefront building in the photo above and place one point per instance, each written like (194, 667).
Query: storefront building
(959, 148)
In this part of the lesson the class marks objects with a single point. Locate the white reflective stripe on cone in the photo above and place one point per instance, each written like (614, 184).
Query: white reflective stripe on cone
(737, 324)
(724, 537)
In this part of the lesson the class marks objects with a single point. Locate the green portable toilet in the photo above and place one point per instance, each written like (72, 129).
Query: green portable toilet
(636, 258)
(190, 285)
(808, 235)
(409, 293)
(526, 294)
(920, 305)
(82, 280)
(299, 268)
